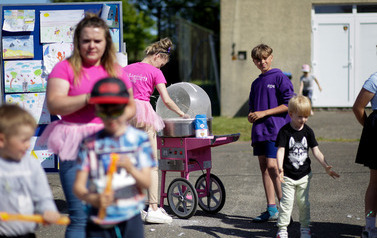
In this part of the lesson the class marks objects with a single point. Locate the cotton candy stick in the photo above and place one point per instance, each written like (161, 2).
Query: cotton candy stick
(4, 216)
(110, 172)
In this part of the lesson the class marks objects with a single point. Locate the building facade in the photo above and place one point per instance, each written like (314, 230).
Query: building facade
(338, 39)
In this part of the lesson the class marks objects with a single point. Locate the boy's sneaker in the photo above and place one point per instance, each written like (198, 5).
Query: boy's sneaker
(159, 216)
(282, 234)
(266, 216)
(305, 233)
(372, 233)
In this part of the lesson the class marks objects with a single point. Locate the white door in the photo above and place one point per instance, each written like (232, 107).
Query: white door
(344, 55)
(366, 49)
(332, 60)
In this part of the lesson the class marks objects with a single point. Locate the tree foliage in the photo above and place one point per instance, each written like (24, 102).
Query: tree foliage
(137, 27)
(205, 13)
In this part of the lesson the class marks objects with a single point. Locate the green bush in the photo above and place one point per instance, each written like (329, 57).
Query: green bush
(227, 125)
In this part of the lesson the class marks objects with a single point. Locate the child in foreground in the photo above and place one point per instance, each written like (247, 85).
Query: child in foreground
(133, 169)
(293, 142)
(23, 183)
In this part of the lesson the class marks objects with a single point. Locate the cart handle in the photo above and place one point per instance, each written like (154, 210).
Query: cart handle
(233, 137)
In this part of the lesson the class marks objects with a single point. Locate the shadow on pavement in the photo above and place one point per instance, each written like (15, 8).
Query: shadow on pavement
(244, 227)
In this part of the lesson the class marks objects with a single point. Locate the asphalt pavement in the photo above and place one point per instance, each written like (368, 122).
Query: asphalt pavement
(337, 205)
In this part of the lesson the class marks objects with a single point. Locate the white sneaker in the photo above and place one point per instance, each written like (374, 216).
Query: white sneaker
(282, 234)
(305, 233)
(158, 216)
(143, 214)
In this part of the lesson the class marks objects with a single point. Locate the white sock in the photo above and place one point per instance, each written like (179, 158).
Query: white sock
(370, 222)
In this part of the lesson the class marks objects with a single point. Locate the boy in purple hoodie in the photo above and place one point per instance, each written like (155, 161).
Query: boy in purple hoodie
(268, 107)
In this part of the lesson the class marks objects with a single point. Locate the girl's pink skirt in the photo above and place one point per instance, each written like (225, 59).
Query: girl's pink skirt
(64, 138)
(146, 117)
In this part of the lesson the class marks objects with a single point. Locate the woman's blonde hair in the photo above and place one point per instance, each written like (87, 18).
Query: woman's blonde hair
(300, 105)
(163, 46)
(108, 59)
(12, 117)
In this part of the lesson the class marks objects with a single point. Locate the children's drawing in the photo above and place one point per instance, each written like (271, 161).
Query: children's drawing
(24, 76)
(19, 20)
(110, 15)
(114, 32)
(18, 47)
(33, 103)
(59, 26)
(41, 153)
(54, 53)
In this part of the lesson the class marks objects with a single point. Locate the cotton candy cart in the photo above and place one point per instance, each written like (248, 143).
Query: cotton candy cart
(185, 155)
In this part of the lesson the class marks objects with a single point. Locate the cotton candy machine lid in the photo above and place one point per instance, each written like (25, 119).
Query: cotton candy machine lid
(190, 98)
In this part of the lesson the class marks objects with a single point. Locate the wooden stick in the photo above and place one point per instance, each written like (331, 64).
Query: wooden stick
(110, 172)
(31, 218)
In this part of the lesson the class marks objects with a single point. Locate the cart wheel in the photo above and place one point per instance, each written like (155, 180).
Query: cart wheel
(182, 198)
(215, 199)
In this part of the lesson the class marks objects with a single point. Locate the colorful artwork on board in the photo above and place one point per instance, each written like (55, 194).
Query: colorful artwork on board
(40, 152)
(59, 26)
(114, 32)
(54, 53)
(24, 76)
(19, 20)
(32, 102)
(18, 47)
(110, 14)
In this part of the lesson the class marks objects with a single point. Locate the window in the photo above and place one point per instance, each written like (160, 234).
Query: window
(366, 8)
(324, 9)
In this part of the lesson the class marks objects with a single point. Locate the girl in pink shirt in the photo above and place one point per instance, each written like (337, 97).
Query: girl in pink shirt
(145, 76)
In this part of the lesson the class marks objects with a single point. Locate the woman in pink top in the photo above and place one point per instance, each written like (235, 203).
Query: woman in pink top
(68, 91)
(145, 76)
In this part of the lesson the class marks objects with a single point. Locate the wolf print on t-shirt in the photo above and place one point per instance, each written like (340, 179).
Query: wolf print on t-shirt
(298, 152)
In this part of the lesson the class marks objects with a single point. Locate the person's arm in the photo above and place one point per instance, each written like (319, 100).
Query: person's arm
(361, 102)
(131, 107)
(321, 159)
(169, 103)
(319, 86)
(280, 160)
(58, 101)
(254, 116)
(82, 193)
(301, 88)
(142, 177)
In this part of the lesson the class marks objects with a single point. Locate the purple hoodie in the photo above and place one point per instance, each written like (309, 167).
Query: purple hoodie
(269, 90)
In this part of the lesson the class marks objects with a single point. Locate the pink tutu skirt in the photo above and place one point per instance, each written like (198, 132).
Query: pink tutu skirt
(146, 117)
(64, 138)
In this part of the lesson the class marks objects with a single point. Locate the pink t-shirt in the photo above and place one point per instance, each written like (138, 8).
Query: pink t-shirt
(91, 75)
(144, 77)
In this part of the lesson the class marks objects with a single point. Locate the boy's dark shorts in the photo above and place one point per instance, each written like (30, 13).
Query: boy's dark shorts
(266, 148)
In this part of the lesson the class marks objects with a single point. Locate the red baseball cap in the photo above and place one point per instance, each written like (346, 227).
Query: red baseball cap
(109, 91)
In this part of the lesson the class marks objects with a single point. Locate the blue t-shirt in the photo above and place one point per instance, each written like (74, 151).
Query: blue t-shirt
(371, 86)
(94, 157)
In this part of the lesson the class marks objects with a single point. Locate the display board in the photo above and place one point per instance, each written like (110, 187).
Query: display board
(34, 37)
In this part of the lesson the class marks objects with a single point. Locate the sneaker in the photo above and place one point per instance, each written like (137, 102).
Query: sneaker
(159, 216)
(305, 233)
(372, 233)
(143, 214)
(282, 234)
(266, 216)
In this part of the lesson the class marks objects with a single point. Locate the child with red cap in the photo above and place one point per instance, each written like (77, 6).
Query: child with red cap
(133, 168)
